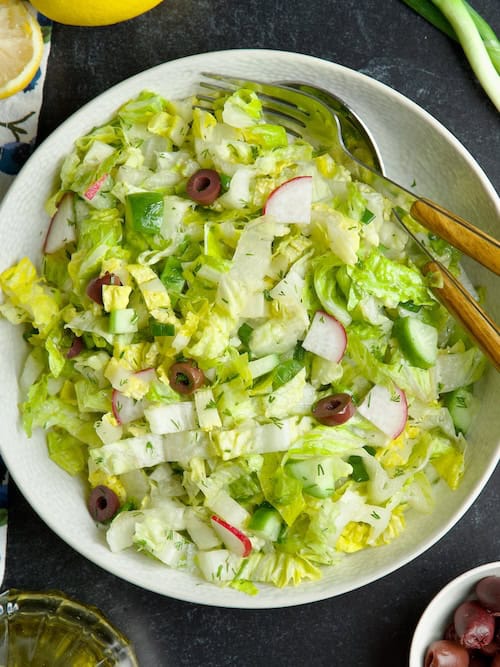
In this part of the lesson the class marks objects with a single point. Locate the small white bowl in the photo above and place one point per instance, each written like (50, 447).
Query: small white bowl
(439, 612)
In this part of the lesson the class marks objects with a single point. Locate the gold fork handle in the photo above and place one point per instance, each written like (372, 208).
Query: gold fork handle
(469, 239)
(468, 312)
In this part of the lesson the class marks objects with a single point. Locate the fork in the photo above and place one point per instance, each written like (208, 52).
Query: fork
(305, 116)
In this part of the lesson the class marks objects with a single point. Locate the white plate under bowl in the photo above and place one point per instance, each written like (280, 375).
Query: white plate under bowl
(439, 612)
(415, 148)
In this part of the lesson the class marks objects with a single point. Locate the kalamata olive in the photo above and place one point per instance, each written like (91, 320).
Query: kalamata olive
(334, 410)
(185, 377)
(478, 660)
(75, 348)
(450, 633)
(491, 649)
(103, 503)
(94, 288)
(445, 653)
(204, 186)
(475, 627)
(488, 593)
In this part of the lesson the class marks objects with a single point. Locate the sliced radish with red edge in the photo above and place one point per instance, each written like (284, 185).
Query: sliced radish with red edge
(291, 201)
(235, 540)
(62, 228)
(147, 375)
(326, 337)
(94, 188)
(125, 408)
(386, 409)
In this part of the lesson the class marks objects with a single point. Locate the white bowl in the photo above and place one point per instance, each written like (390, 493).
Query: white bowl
(439, 612)
(415, 148)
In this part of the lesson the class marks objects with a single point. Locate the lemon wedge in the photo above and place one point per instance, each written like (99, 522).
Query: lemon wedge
(21, 47)
(93, 12)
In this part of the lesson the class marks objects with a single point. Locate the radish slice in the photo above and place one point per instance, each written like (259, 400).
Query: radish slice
(291, 201)
(232, 537)
(387, 410)
(94, 188)
(126, 409)
(326, 337)
(62, 228)
(147, 375)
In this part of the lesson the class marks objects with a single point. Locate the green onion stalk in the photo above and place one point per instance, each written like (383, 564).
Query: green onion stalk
(461, 22)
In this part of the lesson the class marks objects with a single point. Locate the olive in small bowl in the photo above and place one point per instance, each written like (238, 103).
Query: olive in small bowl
(461, 627)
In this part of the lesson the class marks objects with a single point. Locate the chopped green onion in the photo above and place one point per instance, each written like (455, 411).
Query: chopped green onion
(161, 329)
(244, 333)
(359, 473)
(481, 46)
(367, 216)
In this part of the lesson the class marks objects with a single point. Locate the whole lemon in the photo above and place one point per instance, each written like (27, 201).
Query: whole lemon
(93, 12)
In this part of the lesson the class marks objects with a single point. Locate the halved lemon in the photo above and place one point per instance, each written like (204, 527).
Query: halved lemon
(93, 12)
(21, 47)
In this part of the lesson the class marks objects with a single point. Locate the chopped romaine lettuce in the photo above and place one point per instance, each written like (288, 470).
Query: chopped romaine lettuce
(153, 278)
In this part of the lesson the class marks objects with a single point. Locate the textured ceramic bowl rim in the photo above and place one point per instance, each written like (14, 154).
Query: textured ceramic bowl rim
(440, 610)
(397, 125)
(83, 621)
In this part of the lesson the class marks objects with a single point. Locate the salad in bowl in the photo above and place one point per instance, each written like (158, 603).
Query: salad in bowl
(232, 343)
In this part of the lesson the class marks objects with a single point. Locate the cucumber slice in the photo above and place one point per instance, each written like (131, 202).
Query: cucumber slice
(123, 320)
(263, 365)
(418, 341)
(266, 523)
(461, 405)
(317, 475)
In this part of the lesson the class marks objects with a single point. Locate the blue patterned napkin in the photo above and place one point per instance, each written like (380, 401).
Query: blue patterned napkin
(18, 127)
(19, 119)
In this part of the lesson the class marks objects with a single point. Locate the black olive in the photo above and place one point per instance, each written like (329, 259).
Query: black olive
(474, 625)
(185, 377)
(75, 348)
(103, 503)
(445, 653)
(204, 186)
(488, 593)
(334, 410)
(94, 288)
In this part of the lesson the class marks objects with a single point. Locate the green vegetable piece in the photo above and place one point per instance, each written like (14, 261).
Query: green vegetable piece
(161, 329)
(68, 452)
(299, 354)
(144, 211)
(460, 403)
(266, 522)
(317, 474)
(122, 321)
(359, 473)
(367, 216)
(475, 36)
(285, 372)
(418, 341)
(244, 333)
(409, 305)
(173, 279)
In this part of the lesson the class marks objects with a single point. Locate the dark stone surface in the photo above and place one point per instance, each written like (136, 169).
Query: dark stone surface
(371, 627)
